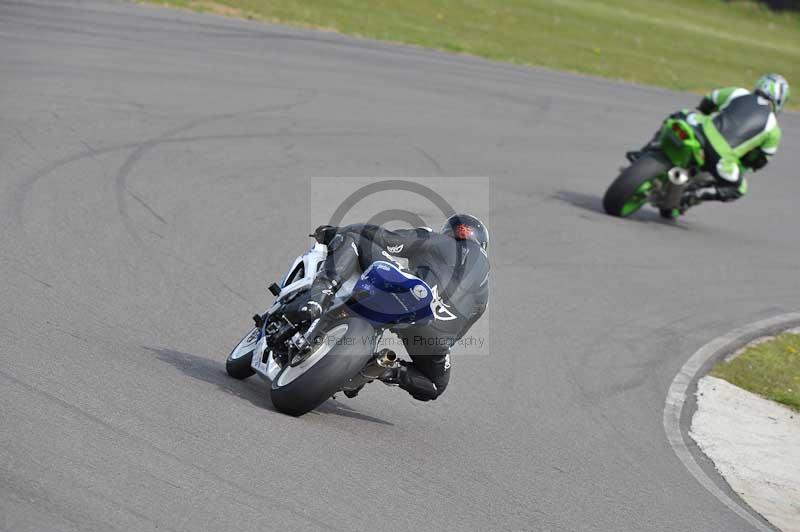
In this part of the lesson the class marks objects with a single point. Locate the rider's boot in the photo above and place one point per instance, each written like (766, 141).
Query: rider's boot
(410, 379)
(391, 376)
(313, 303)
(691, 198)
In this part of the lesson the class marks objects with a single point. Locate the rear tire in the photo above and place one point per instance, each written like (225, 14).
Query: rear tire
(347, 345)
(619, 199)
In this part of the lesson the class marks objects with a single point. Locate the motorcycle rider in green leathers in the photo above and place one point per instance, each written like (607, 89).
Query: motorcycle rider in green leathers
(740, 132)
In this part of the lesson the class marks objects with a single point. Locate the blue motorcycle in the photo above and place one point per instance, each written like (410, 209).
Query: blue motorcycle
(308, 363)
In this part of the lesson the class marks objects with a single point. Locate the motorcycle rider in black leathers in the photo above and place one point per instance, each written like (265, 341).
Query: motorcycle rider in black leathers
(453, 262)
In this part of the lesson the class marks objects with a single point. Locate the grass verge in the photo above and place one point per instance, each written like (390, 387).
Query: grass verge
(770, 369)
(691, 45)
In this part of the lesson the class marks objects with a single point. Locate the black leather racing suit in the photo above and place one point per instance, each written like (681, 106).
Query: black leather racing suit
(456, 270)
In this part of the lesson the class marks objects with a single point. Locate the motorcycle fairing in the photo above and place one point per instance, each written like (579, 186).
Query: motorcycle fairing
(385, 295)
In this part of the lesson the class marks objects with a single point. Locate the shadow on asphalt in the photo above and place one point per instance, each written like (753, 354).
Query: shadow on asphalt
(594, 204)
(587, 202)
(253, 389)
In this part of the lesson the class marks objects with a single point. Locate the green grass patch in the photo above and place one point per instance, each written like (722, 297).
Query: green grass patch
(770, 369)
(691, 45)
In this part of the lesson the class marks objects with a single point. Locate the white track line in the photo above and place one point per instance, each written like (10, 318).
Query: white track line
(686, 377)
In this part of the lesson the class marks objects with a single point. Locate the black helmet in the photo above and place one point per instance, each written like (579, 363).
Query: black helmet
(466, 227)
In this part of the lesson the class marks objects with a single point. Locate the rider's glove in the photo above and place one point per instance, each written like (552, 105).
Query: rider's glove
(324, 234)
(706, 106)
(755, 159)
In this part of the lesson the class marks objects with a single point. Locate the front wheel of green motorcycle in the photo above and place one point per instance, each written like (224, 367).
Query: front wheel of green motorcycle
(629, 192)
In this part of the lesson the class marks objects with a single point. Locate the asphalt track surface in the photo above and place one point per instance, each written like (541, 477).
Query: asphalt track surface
(154, 171)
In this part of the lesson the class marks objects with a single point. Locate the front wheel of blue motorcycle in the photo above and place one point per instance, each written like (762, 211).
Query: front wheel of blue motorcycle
(341, 351)
(238, 362)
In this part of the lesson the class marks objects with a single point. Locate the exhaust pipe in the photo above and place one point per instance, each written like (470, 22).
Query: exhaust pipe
(386, 358)
(678, 176)
(383, 360)
(678, 180)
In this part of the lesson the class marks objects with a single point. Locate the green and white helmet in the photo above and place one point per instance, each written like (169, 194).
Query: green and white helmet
(775, 88)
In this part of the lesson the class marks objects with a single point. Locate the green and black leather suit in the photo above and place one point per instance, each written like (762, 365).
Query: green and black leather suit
(741, 132)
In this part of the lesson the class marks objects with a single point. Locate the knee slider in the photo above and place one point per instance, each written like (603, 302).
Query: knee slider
(728, 170)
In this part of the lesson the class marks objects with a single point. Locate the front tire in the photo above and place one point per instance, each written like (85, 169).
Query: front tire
(346, 345)
(628, 193)
(238, 362)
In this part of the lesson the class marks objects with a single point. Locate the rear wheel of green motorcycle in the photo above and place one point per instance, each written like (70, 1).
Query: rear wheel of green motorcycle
(343, 349)
(629, 192)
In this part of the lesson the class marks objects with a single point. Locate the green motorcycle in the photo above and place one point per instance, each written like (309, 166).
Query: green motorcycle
(666, 169)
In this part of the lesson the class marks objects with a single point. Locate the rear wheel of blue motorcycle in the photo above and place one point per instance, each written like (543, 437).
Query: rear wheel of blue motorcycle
(342, 351)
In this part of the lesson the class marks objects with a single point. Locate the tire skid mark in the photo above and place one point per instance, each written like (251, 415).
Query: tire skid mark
(15, 265)
(19, 199)
(430, 158)
(121, 179)
(125, 170)
(23, 190)
(147, 207)
(232, 291)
